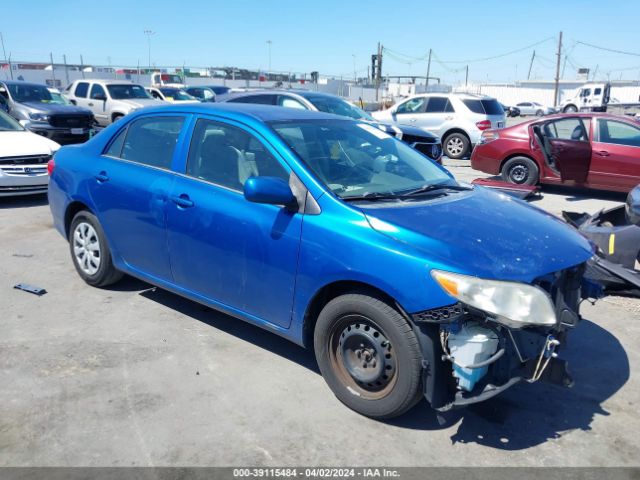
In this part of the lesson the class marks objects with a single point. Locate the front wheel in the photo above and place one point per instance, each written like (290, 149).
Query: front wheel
(90, 251)
(521, 171)
(570, 109)
(368, 355)
(456, 145)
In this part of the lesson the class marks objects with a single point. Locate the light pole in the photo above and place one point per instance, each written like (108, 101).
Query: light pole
(355, 75)
(269, 42)
(148, 33)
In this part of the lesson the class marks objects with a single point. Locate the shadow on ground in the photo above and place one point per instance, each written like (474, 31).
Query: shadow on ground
(573, 194)
(24, 201)
(522, 417)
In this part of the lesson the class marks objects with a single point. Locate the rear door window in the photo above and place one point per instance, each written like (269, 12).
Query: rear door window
(152, 140)
(82, 89)
(567, 129)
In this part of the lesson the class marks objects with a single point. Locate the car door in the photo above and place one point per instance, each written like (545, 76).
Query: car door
(98, 103)
(615, 160)
(437, 117)
(567, 148)
(81, 95)
(240, 255)
(410, 112)
(130, 188)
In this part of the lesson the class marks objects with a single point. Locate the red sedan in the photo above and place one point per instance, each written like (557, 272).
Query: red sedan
(592, 150)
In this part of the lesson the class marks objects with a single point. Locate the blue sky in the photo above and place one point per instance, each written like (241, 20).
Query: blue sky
(325, 35)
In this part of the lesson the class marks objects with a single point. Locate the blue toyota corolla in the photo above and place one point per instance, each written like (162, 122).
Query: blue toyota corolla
(331, 233)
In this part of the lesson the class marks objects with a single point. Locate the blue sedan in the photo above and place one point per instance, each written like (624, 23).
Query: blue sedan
(335, 235)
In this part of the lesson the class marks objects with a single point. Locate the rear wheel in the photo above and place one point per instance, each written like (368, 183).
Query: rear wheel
(368, 355)
(90, 251)
(456, 145)
(521, 171)
(539, 113)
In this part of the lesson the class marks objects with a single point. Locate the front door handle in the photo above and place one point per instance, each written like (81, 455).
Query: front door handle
(602, 153)
(91, 104)
(102, 177)
(182, 201)
(412, 120)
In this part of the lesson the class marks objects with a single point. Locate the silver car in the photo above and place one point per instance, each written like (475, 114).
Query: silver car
(109, 100)
(23, 159)
(534, 108)
(458, 118)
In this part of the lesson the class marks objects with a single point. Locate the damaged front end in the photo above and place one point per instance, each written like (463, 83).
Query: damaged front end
(480, 352)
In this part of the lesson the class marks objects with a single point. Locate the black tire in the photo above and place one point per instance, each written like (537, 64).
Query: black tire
(539, 113)
(521, 171)
(570, 109)
(105, 273)
(115, 118)
(356, 328)
(456, 145)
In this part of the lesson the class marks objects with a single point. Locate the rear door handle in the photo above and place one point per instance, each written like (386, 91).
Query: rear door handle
(102, 177)
(182, 201)
(602, 153)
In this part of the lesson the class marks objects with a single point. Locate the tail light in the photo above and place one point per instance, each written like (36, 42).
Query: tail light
(51, 164)
(489, 136)
(484, 125)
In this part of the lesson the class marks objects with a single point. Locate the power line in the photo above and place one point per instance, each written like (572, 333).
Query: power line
(502, 54)
(622, 52)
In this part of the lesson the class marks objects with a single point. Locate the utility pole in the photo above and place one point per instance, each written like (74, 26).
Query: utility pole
(269, 47)
(555, 92)
(466, 77)
(53, 69)
(66, 71)
(533, 57)
(82, 66)
(564, 65)
(355, 75)
(4, 53)
(428, 71)
(378, 73)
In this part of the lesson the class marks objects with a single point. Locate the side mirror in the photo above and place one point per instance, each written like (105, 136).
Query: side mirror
(270, 190)
(99, 97)
(632, 208)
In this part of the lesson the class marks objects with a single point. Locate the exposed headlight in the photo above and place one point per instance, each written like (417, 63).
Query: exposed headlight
(513, 304)
(39, 117)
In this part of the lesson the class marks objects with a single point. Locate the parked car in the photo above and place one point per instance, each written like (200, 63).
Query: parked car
(109, 100)
(591, 150)
(422, 141)
(24, 157)
(335, 235)
(534, 108)
(35, 107)
(458, 119)
(510, 111)
(171, 94)
(209, 93)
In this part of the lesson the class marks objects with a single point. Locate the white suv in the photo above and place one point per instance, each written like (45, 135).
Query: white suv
(457, 118)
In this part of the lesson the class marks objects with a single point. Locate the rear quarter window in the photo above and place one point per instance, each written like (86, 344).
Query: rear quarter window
(474, 105)
(484, 107)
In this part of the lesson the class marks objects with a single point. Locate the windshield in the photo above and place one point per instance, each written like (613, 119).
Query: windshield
(30, 93)
(125, 91)
(354, 159)
(58, 99)
(338, 106)
(8, 124)
(176, 94)
(220, 90)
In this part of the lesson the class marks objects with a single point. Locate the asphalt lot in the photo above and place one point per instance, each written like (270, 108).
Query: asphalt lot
(133, 375)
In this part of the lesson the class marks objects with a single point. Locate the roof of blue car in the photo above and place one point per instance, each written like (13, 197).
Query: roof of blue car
(264, 113)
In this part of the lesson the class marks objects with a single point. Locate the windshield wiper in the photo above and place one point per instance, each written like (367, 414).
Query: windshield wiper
(372, 196)
(434, 187)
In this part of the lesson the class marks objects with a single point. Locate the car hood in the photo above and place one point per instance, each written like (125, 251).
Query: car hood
(141, 102)
(15, 144)
(54, 108)
(482, 233)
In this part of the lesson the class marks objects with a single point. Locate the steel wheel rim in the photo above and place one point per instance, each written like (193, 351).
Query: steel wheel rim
(363, 357)
(519, 173)
(86, 248)
(455, 146)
